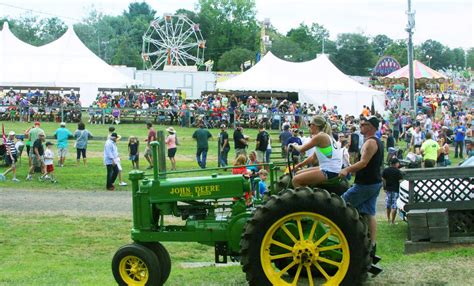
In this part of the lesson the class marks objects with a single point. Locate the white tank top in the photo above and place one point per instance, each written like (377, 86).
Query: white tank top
(332, 164)
(417, 138)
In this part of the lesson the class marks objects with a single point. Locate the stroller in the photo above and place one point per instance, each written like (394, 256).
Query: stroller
(412, 161)
(394, 152)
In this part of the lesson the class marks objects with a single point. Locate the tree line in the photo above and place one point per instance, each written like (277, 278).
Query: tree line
(233, 36)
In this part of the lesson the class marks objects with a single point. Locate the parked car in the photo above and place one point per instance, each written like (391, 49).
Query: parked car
(434, 188)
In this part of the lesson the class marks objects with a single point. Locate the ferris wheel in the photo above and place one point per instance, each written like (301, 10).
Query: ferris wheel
(173, 40)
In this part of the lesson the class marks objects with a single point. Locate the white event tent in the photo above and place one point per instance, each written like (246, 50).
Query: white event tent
(317, 81)
(63, 62)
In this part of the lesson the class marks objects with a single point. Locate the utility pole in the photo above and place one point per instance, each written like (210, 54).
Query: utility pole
(411, 79)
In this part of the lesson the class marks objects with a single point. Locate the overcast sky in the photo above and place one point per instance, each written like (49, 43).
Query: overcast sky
(450, 22)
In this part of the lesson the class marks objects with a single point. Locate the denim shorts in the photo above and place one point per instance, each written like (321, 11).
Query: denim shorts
(363, 197)
(391, 200)
(329, 175)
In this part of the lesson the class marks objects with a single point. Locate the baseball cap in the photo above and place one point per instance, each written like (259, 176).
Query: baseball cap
(62, 124)
(373, 121)
(113, 135)
(223, 126)
(37, 123)
(11, 133)
(49, 143)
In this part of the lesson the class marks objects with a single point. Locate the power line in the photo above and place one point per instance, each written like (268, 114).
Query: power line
(39, 12)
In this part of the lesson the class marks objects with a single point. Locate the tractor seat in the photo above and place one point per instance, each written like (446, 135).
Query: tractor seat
(335, 185)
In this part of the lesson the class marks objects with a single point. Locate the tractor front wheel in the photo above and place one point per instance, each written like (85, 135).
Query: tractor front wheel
(135, 264)
(305, 236)
(164, 259)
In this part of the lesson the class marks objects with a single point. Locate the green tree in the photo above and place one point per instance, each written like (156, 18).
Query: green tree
(228, 24)
(285, 48)
(470, 58)
(127, 54)
(435, 53)
(116, 39)
(191, 15)
(93, 32)
(231, 60)
(139, 9)
(398, 50)
(51, 29)
(26, 28)
(380, 43)
(320, 35)
(305, 40)
(458, 57)
(354, 55)
(310, 40)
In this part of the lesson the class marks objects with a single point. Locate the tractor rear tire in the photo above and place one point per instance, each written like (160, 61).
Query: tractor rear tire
(135, 264)
(164, 259)
(261, 251)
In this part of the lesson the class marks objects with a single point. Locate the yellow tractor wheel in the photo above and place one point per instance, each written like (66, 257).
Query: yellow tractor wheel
(136, 265)
(305, 237)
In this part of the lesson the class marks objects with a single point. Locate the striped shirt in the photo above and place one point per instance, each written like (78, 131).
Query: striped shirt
(11, 145)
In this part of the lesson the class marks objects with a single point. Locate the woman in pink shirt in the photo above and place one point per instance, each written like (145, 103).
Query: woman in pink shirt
(171, 146)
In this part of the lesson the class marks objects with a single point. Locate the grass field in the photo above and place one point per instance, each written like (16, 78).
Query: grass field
(78, 251)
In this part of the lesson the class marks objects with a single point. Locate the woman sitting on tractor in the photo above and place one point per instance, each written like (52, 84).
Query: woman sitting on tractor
(327, 153)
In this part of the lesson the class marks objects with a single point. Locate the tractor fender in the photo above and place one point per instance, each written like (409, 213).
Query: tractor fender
(235, 229)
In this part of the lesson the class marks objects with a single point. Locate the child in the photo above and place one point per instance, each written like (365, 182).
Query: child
(10, 157)
(262, 186)
(133, 153)
(241, 169)
(391, 181)
(240, 161)
(346, 162)
(48, 161)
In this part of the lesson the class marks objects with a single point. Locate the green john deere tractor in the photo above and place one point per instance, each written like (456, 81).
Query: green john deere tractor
(306, 236)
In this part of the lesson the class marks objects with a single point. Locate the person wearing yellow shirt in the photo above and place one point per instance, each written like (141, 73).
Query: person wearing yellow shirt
(430, 150)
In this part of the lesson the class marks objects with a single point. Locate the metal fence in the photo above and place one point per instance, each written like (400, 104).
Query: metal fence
(184, 118)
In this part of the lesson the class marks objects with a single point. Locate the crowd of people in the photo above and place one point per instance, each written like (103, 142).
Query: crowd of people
(52, 106)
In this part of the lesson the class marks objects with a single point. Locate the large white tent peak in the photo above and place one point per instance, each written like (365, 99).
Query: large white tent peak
(65, 62)
(317, 82)
(75, 63)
